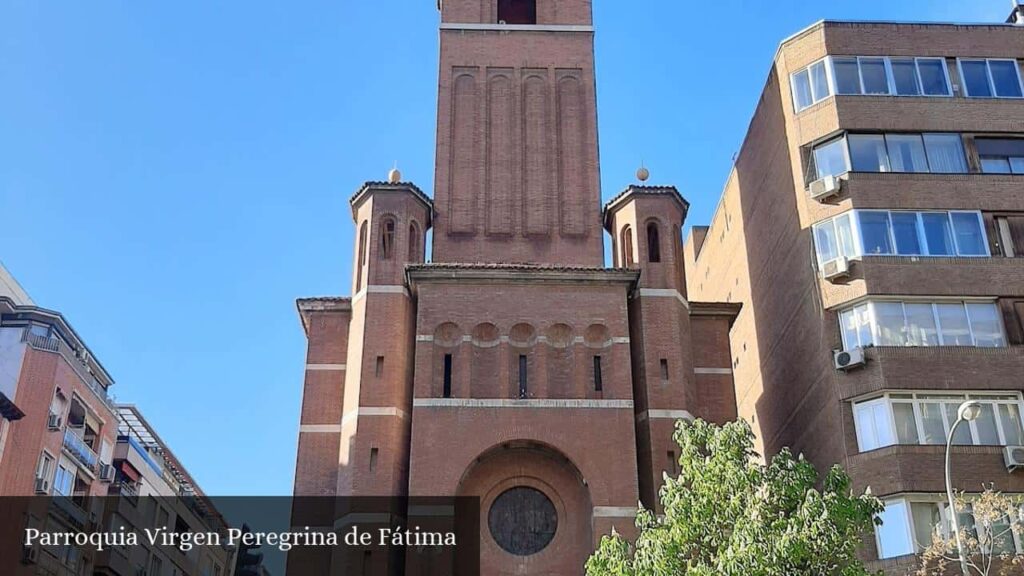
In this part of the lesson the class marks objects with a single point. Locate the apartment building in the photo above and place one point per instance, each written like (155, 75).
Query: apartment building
(101, 464)
(873, 229)
(151, 489)
(59, 425)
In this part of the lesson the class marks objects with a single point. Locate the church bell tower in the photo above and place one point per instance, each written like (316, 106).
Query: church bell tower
(517, 176)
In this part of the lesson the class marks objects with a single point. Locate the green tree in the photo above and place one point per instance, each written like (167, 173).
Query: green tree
(729, 514)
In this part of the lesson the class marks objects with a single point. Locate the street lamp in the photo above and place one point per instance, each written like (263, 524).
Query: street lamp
(967, 411)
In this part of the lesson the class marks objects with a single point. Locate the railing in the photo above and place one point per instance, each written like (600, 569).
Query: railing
(72, 510)
(129, 491)
(80, 450)
(57, 345)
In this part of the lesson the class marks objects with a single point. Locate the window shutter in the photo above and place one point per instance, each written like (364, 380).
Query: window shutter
(1017, 232)
(1013, 320)
(992, 230)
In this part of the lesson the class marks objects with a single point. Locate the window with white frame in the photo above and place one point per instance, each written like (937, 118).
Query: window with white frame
(991, 78)
(45, 467)
(939, 153)
(908, 524)
(922, 323)
(900, 233)
(64, 479)
(870, 75)
(811, 85)
(925, 418)
(882, 75)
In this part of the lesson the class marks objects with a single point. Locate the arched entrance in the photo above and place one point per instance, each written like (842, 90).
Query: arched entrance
(535, 510)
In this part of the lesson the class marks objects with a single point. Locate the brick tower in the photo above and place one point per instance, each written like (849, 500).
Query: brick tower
(514, 367)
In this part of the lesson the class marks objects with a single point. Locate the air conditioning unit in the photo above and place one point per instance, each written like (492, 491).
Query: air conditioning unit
(1013, 456)
(825, 188)
(836, 269)
(849, 359)
(106, 473)
(54, 422)
(42, 486)
(29, 555)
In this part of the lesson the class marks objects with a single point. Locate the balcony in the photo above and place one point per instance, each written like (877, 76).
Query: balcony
(926, 114)
(71, 511)
(926, 276)
(961, 368)
(922, 191)
(80, 451)
(58, 346)
(919, 469)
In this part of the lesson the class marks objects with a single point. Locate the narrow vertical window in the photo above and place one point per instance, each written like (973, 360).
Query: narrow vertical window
(627, 247)
(365, 565)
(447, 376)
(653, 243)
(379, 370)
(361, 257)
(414, 243)
(598, 383)
(373, 459)
(387, 239)
(673, 464)
(664, 369)
(522, 376)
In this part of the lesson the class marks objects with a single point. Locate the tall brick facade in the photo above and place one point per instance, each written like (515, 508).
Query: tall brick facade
(914, 142)
(513, 366)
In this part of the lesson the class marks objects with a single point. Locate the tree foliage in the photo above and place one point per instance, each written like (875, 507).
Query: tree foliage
(730, 514)
(988, 523)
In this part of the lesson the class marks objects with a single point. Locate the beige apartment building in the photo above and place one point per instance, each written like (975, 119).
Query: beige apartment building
(873, 229)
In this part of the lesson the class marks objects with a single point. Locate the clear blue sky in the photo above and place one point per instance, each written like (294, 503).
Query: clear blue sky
(174, 174)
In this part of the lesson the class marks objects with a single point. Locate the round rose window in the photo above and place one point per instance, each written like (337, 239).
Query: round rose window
(522, 520)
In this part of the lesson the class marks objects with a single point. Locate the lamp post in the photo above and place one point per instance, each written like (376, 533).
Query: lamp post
(965, 413)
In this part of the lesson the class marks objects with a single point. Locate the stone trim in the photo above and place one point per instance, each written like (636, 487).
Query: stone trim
(320, 428)
(503, 403)
(664, 415)
(712, 370)
(517, 27)
(374, 411)
(614, 512)
(664, 293)
(324, 367)
(381, 289)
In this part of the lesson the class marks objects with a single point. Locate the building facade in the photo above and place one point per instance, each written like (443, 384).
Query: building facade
(152, 489)
(513, 367)
(873, 229)
(63, 439)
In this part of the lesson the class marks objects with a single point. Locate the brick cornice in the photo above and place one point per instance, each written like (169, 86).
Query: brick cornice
(308, 306)
(504, 274)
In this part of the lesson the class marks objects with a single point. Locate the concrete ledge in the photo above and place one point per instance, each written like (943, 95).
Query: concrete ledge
(502, 403)
(664, 415)
(323, 367)
(614, 512)
(517, 27)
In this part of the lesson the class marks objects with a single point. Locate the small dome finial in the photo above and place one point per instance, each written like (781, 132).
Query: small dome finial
(643, 173)
(394, 176)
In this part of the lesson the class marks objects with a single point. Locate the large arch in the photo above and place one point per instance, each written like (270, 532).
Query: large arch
(525, 467)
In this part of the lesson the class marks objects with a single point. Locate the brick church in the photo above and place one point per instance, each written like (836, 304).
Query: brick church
(513, 365)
